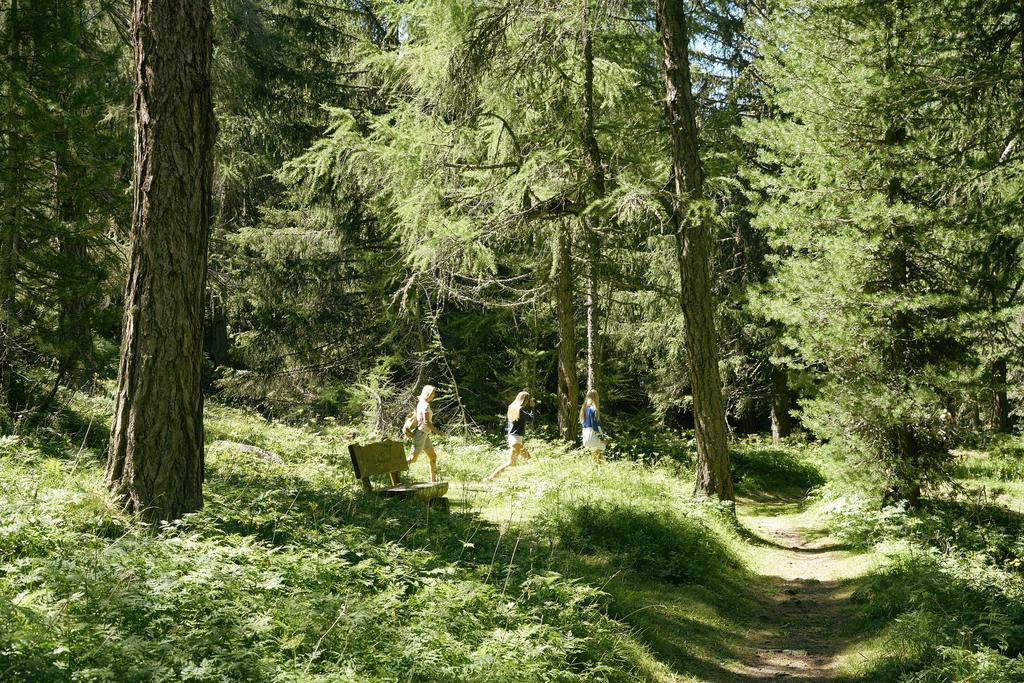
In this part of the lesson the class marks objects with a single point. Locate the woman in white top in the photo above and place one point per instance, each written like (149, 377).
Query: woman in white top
(424, 427)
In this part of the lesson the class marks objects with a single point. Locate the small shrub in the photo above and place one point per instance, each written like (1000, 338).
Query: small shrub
(767, 468)
(663, 544)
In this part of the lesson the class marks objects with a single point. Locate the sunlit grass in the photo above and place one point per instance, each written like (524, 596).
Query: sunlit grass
(560, 569)
(290, 572)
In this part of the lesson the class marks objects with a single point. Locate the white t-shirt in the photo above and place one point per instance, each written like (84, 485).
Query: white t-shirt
(423, 415)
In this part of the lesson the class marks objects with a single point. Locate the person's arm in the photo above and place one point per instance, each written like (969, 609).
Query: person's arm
(430, 424)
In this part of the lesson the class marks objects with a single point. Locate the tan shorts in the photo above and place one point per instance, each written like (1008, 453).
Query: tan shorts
(421, 441)
(513, 439)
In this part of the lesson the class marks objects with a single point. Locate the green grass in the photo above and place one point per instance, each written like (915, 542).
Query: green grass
(291, 573)
(561, 571)
(995, 472)
(948, 600)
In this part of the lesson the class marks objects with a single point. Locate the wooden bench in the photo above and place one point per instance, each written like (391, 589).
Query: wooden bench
(388, 457)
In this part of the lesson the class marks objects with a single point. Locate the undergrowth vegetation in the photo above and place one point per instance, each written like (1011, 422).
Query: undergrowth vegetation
(950, 592)
(560, 571)
(290, 573)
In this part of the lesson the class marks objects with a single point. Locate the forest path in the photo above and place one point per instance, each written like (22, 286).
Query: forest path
(807, 621)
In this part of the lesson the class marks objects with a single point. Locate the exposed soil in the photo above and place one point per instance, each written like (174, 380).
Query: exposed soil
(806, 612)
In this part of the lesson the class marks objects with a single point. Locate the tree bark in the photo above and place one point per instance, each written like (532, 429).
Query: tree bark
(74, 328)
(74, 324)
(8, 274)
(713, 476)
(595, 169)
(9, 230)
(155, 461)
(593, 305)
(568, 420)
(8, 270)
(782, 423)
(999, 415)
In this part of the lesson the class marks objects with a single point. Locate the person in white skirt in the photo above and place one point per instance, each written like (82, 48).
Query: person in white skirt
(517, 416)
(593, 435)
(421, 442)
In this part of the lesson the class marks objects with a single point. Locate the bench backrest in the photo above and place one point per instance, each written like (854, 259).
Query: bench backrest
(383, 457)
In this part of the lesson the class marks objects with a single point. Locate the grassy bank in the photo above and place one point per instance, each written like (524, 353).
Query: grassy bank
(947, 601)
(560, 571)
(290, 573)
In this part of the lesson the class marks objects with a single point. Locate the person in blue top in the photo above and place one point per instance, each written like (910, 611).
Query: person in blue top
(593, 435)
(517, 416)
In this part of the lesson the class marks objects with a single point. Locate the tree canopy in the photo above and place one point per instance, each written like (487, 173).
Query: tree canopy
(479, 196)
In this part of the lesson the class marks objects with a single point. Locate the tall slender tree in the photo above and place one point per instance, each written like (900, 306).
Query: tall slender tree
(155, 463)
(690, 223)
(595, 171)
(567, 390)
(12, 187)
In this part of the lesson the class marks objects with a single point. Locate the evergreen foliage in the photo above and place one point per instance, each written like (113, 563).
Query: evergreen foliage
(62, 186)
(883, 183)
(477, 195)
(394, 181)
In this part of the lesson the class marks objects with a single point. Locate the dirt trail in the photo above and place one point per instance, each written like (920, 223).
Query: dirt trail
(806, 612)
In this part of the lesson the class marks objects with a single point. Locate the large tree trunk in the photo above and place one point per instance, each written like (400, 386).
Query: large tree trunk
(155, 463)
(9, 228)
(568, 420)
(782, 423)
(595, 169)
(999, 416)
(713, 476)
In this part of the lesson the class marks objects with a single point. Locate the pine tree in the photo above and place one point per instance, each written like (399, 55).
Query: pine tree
(713, 476)
(155, 462)
(877, 176)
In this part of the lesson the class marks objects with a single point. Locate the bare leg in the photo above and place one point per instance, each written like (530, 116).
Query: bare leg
(432, 459)
(597, 455)
(499, 469)
(508, 462)
(413, 454)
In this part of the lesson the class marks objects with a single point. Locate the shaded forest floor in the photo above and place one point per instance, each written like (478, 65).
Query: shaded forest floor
(810, 624)
(792, 615)
(558, 571)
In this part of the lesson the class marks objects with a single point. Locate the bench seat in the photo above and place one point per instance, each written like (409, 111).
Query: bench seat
(388, 457)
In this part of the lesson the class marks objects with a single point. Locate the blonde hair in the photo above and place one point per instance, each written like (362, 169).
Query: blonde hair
(428, 389)
(517, 405)
(591, 398)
